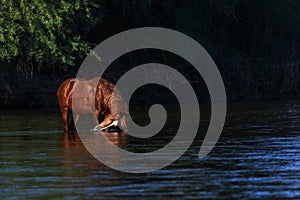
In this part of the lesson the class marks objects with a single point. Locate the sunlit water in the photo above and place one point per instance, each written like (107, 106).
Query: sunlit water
(257, 156)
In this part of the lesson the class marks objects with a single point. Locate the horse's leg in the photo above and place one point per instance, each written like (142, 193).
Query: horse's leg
(96, 118)
(63, 95)
(71, 123)
(64, 114)
(76, 118)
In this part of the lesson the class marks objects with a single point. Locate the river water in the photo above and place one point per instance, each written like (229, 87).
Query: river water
(257, 157)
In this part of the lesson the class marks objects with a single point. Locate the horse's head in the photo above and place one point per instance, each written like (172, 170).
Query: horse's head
(117, 111)
(110, 118)
(112, 102)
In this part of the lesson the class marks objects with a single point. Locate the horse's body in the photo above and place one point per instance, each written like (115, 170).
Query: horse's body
(98, 101)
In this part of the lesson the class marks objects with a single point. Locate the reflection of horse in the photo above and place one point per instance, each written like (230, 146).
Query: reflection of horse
(111, 107)
(74, 152)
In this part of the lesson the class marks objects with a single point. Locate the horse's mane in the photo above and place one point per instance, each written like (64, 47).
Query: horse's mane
(112, 101)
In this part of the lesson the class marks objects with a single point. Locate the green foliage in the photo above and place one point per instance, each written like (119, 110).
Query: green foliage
(37, 32)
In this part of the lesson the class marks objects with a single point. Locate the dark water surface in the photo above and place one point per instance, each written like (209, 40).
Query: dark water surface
(257, 157)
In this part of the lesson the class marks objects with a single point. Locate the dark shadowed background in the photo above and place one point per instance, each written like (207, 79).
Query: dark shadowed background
(255, 44)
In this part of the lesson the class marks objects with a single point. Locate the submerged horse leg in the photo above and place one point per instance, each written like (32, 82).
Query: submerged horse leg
(76, 118)
(96, 118)
(64, 114)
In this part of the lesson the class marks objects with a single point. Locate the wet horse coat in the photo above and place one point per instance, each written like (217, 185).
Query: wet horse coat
(98, 101)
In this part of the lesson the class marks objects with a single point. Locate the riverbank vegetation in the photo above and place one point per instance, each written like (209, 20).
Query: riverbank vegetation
(255, 44)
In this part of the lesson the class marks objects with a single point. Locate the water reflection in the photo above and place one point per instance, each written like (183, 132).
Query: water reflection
(75, 153)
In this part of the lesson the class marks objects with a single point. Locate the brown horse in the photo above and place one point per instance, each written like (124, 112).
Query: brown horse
(98, 101)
